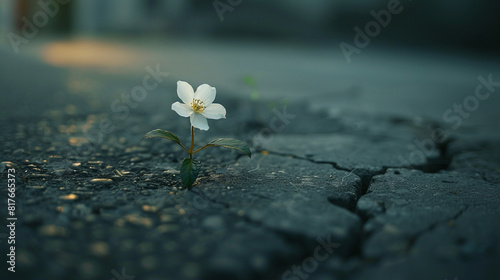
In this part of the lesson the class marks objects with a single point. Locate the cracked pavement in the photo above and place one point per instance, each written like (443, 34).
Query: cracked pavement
(368, 192)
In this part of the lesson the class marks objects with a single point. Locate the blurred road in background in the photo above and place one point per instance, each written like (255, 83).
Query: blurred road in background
(388, 81)
(384, 57)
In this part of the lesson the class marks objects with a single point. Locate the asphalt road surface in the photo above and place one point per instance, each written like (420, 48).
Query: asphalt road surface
(359, 171)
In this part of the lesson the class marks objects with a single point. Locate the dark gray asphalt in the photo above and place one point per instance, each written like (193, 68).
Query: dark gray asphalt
(325, 195)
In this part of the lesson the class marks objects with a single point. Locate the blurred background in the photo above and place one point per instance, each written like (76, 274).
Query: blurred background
(427, 24)
(426, 58)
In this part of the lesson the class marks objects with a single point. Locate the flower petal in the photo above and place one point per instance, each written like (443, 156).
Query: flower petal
(185, 92)
(183, 110)
(214, 111)
(199, 121)
(206, 94)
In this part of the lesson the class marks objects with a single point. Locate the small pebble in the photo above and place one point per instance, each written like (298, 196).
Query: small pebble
(102, 181)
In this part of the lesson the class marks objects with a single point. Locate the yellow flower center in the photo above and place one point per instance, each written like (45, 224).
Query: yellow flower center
(197, 105)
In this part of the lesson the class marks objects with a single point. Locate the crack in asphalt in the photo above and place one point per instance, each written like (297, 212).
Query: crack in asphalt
(432, 166)
(213, 200)
(417, 235)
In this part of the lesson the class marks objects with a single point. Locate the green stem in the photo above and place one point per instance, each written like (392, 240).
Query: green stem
(192, 143)
(201, 148)
(185, 149)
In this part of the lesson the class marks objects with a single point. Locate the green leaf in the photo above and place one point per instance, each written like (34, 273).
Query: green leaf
(250, 81)
(254, 96)
(189, 171)
(231, 144)
(163, 134)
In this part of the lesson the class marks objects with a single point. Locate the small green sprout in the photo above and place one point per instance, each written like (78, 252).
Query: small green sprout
(199, 107)
(254, 96)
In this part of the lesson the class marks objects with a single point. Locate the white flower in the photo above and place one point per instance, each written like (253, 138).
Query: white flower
(198, 105)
